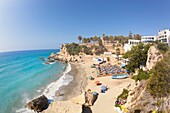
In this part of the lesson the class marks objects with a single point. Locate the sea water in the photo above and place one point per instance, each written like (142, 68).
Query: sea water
(24, 76)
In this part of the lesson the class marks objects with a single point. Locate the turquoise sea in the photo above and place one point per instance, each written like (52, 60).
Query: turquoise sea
(24, 76)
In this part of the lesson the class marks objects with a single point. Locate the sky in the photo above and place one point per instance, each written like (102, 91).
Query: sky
(45, 24)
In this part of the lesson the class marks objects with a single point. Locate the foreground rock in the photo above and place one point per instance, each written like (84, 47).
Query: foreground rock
(71, 106)
(90, 98)
(38, 104)
(141, 100)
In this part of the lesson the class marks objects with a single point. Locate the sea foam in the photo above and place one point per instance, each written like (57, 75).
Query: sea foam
(62, 81)
(51, 89)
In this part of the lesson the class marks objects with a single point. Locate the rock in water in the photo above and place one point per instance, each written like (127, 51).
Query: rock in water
(38, 104)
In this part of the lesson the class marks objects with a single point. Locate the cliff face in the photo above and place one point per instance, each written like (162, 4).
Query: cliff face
(153, 56)
(140, 99)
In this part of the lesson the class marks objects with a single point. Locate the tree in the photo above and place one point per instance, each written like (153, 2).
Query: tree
(111, 38)
(106, 39)
(130, 35)
(84, 40)
(103, 35)
(91, 39)
(137, 56)
(117, 51)
(162, 47)
(100, 42)
(95, 38)
(137, 36)
(88, 40)
(79, 38)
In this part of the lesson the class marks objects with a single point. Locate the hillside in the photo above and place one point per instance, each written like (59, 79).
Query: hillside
(153, 94)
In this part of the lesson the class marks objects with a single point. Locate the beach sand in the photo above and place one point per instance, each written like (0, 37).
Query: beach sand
(74, 97)
(75, 87)
(105, 101)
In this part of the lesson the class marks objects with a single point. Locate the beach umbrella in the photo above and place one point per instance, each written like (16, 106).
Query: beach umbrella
(97, 82)
(103, 88)
(91, 78)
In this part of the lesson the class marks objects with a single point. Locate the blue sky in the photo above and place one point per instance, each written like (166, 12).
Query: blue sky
(44, 24)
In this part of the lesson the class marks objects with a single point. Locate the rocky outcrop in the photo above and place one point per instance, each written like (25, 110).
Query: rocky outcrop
(90, 98)
(70, 106)
(153, 56)
(38, 104)
(52, 55)
(141, 100)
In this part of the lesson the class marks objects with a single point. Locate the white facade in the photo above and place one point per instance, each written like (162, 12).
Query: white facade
(164, 36)
(148, 39)
(131, 42)
(107, 53)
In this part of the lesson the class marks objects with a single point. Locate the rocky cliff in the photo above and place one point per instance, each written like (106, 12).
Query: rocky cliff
(153, 56)
(139, 99)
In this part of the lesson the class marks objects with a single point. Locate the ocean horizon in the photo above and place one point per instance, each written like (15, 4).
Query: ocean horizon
(24, 76)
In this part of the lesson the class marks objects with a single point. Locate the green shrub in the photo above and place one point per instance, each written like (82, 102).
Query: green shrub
(162, 47)
(137, 56)
(123, 95)
(159, 84)
(142, 75)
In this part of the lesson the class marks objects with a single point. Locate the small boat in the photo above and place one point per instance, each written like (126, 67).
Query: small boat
(119, 76)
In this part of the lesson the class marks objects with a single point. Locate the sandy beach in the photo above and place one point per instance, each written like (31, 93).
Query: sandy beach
(75, 87)
(73, 97)
(108, 98)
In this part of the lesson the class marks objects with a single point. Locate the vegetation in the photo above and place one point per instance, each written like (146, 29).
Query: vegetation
(159, 84)
(142, 75)
(117, 51)
(130, 35)
(100, 42)
(162, 47)
(137, 56)
(123, 95)
(75, 49)
(114, 39)
(136, 36)
(99, 50)
(80, 38)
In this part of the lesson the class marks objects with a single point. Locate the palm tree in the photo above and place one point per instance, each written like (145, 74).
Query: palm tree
(95, 38)
(130, 35)
(103, 35)
(91, 39)
(88, 40)
(84, 40)
(79, 38)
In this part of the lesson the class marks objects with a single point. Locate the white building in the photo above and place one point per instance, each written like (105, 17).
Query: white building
(164, 36)
(131, 42)
(148, 39)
